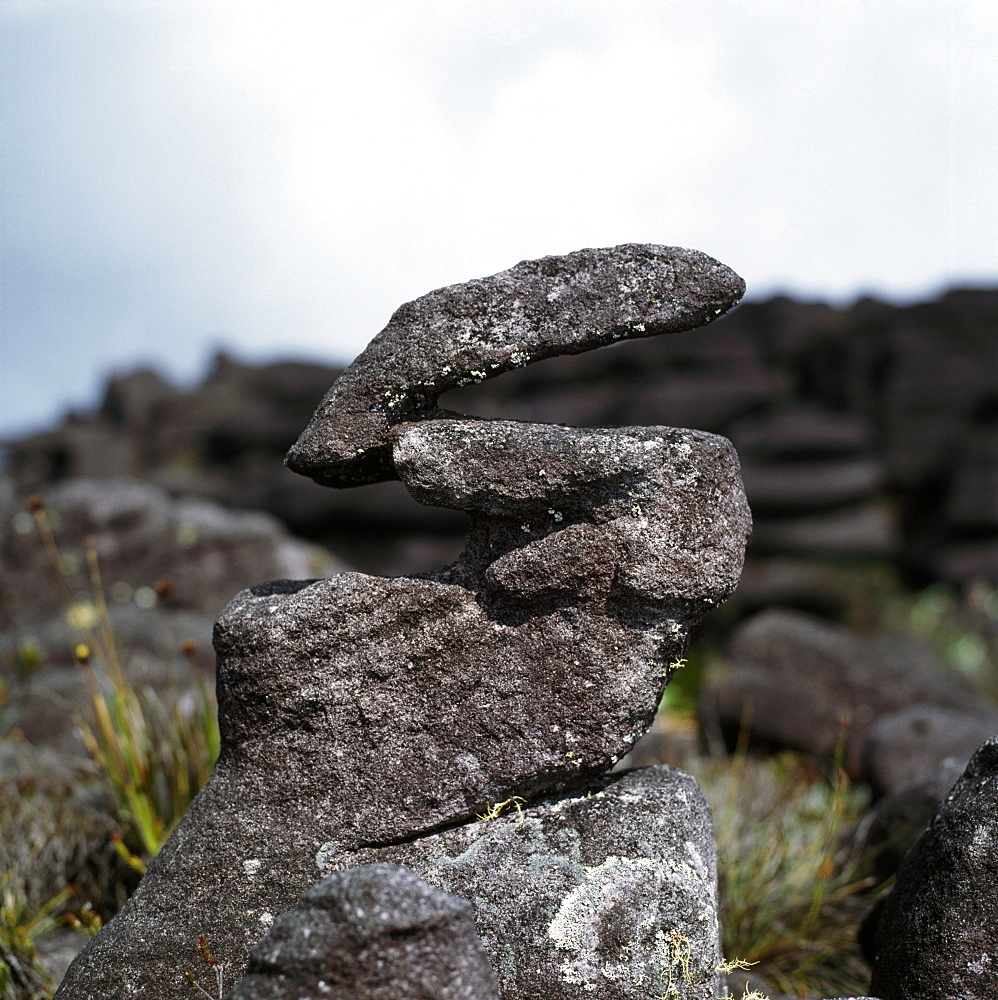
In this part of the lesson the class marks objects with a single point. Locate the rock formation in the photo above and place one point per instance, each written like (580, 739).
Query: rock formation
(363, 714)
(936, 937)
(889, 407)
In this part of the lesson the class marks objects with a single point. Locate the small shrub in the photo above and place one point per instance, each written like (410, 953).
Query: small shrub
(46, 843)
(792, 889)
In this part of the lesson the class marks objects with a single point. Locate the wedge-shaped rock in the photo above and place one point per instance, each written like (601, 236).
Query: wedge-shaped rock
(937, 933)
(473, 331)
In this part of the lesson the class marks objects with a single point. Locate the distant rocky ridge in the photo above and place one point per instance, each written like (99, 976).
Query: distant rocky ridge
(865, 434)
(868, 433)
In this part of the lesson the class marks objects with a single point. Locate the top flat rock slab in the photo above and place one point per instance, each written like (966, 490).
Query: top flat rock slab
(479, 329)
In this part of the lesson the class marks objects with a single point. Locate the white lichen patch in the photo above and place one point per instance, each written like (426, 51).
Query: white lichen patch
(326, 855)
(980, 965)
(252, 865)
(642, 954)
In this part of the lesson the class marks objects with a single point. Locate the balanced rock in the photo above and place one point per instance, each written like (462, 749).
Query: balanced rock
(371, 933)
(482, 328)
(363, 712)
(937, 933)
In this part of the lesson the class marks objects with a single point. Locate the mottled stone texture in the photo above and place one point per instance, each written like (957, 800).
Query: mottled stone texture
(610, 894)
(371, 933)
(937, 933)
(363, 712)
(482, 328)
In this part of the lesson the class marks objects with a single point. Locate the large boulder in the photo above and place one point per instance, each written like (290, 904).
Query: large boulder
(937, 933)
(361, 712)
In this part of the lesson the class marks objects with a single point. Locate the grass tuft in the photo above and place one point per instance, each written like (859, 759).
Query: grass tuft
(792, 886)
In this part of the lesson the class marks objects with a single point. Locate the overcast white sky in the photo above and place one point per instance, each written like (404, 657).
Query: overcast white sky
(276, 177)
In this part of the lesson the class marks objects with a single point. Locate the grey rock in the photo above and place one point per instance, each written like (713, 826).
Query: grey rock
(366, 711)
(371, 933)
(937, 935)
(473, 331)
(799, 681)
(609, 894)
(908, 744)
(898, 818)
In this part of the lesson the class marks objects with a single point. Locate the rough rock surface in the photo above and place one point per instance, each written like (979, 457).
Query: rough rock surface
(937, 935)
(164, 564)
(482, 328)
(371, 933)
(365, 712)
(612, 893)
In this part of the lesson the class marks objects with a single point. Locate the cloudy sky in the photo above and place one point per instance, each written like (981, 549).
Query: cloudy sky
(275, 176)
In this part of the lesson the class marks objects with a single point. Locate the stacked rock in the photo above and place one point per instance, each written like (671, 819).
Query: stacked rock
(463, 722)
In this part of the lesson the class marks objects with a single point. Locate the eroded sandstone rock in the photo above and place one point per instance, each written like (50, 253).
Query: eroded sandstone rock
(362, 712)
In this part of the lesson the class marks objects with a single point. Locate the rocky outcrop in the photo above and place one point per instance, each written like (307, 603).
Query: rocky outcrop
(364, 714)
(937, 933)
(866, 435)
